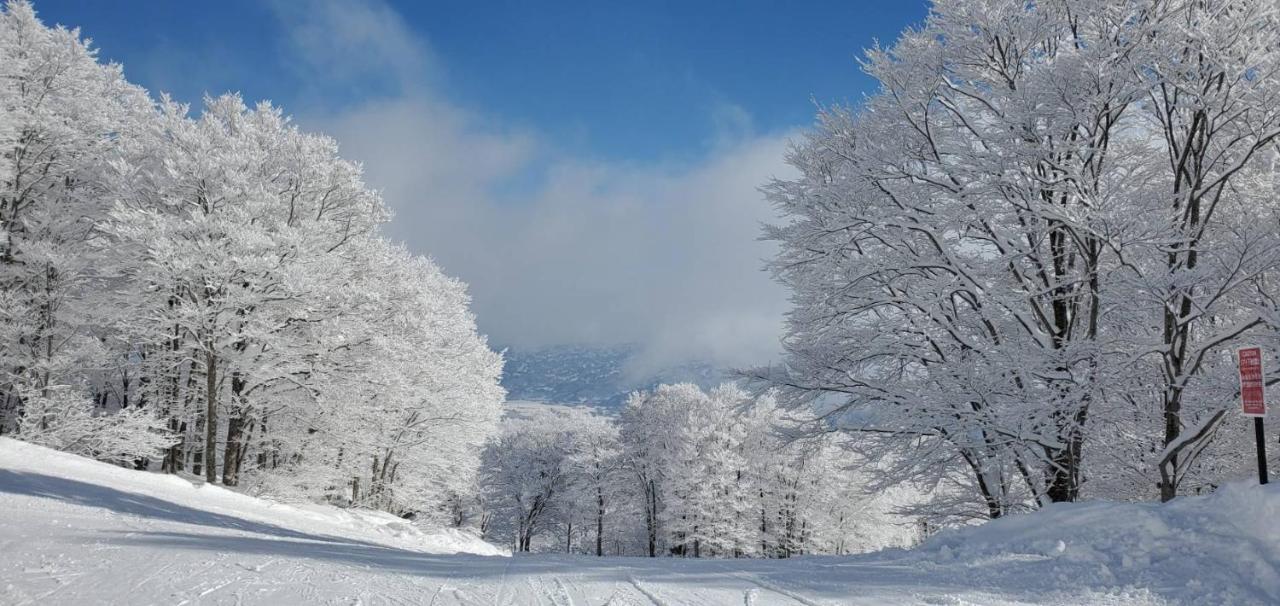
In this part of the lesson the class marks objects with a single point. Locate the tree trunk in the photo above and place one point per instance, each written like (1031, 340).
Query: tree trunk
(651, 517)
(197, 458)
(262, 444)
(1175, 342)
(233, 455)
(1064, 485)
(173, 460)
(211, 416)
(599, 520)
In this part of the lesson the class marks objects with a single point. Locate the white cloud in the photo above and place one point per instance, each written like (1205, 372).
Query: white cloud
(353, 40)
(558, 248)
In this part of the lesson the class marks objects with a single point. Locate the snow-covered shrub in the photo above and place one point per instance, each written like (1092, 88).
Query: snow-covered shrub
(61, 418)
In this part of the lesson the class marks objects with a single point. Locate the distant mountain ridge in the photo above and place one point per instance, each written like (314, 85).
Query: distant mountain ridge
(575, 374)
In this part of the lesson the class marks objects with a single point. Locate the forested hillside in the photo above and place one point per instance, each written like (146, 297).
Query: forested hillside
(603, 376)
(207, 292)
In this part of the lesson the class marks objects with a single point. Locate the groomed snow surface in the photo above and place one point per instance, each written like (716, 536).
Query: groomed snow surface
(74, 531)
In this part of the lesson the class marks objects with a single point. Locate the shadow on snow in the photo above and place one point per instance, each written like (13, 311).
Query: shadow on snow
(829, 576)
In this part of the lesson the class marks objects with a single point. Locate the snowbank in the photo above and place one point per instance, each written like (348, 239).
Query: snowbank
(363, 525)
(1223, 548)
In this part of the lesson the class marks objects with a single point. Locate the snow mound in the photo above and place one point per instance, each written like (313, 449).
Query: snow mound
(1222, 548)
(46, 471)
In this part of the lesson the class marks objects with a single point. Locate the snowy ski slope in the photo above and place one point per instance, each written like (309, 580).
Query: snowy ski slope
(74, 531)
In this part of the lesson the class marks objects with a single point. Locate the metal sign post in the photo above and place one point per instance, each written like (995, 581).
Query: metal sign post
(1253, 400)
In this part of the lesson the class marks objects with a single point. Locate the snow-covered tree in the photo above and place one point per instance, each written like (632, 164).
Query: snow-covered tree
(653, 452)
(1048, 227)
(683, 472)
(599, 498)
(527, 466)
(221, 275)
(408, 391)
(61, 116)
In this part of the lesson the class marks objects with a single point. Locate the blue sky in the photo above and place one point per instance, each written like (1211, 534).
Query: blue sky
(590, 168)
(628, 80)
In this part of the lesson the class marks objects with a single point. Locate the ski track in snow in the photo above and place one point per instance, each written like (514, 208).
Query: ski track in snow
(657, 601)
(751, 595)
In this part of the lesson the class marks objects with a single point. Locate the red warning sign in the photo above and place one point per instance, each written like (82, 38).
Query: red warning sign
(1252, 392)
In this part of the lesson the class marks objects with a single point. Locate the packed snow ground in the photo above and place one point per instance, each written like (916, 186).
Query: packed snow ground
(74, 531)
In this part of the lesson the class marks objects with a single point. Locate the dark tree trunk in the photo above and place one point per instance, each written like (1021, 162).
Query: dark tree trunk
(599, 520)
(651, 517)
(233, 454)
(197, 460)
(211, 416)
(1064, 486)
(237, 423)
(173, 460)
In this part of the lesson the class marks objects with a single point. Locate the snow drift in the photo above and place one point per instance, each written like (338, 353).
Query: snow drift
(1223, 548)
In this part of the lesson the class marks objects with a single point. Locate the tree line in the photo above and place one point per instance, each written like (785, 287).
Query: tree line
(210, 294)
(682, 472)
(1024, 263)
